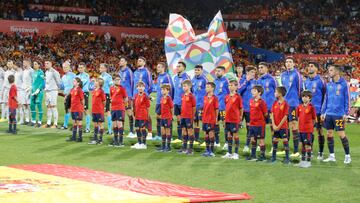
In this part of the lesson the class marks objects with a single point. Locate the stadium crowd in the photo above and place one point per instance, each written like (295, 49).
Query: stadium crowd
(309, 27)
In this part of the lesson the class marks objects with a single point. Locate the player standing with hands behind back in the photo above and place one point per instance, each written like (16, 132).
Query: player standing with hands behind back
(335, 110)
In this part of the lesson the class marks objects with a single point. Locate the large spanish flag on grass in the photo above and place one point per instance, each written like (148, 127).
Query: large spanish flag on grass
(58, 183)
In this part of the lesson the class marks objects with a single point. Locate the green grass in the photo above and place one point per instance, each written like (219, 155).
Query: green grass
(265, 182)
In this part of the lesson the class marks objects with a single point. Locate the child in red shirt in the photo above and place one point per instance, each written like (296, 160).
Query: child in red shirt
(118, 99)
(233, 116)
(166, 107)
(77, 109)
(13, 105)
(258, 114)
(141, 110)
(307, 115)
(98, 104)
(279, 118)
(209, 118)
(188, 108)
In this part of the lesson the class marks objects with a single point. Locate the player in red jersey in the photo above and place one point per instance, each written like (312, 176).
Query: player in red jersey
(307, 116)
(209, 118)
(98, 105)
(141, 110)
(258, 114)
(77, 109)
(13, 104)
(279, 119)
(119, 98)
(233, 116)
(188, 108)
(166, 107)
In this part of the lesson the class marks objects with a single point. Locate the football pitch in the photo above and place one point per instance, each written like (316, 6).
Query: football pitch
(265, 182)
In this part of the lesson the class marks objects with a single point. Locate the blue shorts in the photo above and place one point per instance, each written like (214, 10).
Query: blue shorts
(334, 122)
(129, 104)
(247, 116)
(268, 119)
(281, 134)
(140, 123)
(207, 127)
(306, 138)
(221, 115)
(117, 115)
(107, 102)
(166, 123)
(158, 109)
(198, 114)
(257, 132)
(292, 114)
(177, 110)
(77, 116)
(98, 117)
(318, 122)
(231, 127)
(186, 123)
(12, 113)
(86, 100)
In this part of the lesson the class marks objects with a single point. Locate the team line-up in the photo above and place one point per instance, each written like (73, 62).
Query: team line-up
(295, 106)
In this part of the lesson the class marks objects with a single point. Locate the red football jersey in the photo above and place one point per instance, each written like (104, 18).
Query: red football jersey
(211, 104)
(307, 116)
(279, 110)
(98, 99)
(188, 103)
(118, 94)
(233, 108)
(142, 104)
(12, 102)
(166, 105)
(258, 110)
(77, 98)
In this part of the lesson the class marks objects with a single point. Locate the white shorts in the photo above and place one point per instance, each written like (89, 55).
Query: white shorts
(27, 95)
(5, 95)
(51, 98)
(1, 100)
(21, 97)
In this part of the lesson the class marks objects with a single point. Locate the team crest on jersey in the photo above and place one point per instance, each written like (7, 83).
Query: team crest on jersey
(187, 98)
(221, 86)
(338, 89)
(282, 107)
(267, 85)
(291, 78)
(256, 104)
(307, 110)
(314, 88)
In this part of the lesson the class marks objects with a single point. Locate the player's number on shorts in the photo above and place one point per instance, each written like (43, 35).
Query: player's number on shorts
(339, 123)
(293, 113)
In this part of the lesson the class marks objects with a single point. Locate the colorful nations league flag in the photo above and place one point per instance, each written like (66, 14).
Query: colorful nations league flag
(209, 49)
